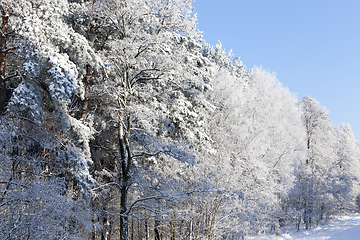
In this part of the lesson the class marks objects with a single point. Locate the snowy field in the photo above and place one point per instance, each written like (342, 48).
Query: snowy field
(345, 228)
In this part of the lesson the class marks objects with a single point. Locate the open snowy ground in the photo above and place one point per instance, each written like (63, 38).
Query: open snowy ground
(345, 228)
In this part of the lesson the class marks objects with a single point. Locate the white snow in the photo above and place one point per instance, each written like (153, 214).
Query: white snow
(345, 228)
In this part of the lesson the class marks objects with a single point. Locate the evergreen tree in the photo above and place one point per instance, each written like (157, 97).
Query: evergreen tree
(120, 122)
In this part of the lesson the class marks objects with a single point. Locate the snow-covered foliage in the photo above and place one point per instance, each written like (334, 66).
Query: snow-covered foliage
(32, 201)
(259, 136)
(322, 187)
(348, 153)
(25, 98)
(54, 58)
(122, 115)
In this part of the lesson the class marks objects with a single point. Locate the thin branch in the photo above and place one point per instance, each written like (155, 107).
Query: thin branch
(105, 185)
(157, 197)
(141, 51)
(147, 154)
(11, 76)
(8, 49)
(141, 200)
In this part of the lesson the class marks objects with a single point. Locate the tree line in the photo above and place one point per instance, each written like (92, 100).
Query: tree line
(119, 121)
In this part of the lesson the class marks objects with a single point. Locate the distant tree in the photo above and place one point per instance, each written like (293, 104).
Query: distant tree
(257, 136)
(348, 153)
(321, 187)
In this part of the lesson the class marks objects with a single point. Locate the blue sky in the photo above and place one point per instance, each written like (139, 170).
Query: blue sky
(312, 45)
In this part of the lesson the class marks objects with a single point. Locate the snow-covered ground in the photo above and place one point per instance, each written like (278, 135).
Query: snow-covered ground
(345, 228)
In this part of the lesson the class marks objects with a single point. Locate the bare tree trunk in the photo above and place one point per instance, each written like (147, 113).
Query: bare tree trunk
(4, 95)
(93, 234)
(140, 230)
(126, 159)
(182, 230)
(172, 231)
(123, 218)
(146, 230)
(106, 228)
(86, 97)
(132, 228)
(156, 230)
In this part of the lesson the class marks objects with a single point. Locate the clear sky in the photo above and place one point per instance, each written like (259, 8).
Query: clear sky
(313, 46)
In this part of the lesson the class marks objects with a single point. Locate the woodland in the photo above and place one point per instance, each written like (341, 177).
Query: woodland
(119, 121)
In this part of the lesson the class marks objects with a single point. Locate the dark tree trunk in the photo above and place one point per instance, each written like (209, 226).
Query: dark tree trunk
(4, 94)
(123, 218)
(156, 230)
(86, 97)
(172, 231)
(132, 228)
(146, 230)
(124, 181)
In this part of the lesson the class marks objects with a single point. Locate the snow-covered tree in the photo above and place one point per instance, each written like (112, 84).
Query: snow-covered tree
(33, 203)
(54, 60)
(322, 188)
(120, 112)
(348, 153)
(145, 100)
(8, 45)
(258, 137)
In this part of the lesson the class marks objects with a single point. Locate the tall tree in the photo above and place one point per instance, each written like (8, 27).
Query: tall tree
(348, 153)
(258, 136)
(321, 187)
(144, 80)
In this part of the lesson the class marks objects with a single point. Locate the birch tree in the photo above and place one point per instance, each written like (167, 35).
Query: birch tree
(321, 187)
(258, 137)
